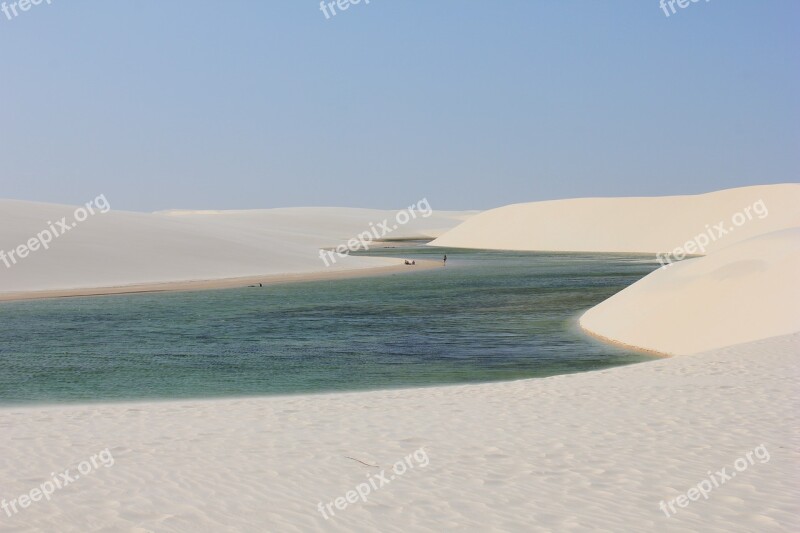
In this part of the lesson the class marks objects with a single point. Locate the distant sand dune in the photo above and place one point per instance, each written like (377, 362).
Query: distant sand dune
(119, 249)
(652, 225)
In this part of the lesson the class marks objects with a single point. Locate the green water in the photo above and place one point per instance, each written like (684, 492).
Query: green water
(486, 316)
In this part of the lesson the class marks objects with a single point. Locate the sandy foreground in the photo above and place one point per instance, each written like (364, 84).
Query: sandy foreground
(591, 451)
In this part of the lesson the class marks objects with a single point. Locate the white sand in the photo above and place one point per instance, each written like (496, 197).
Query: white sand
(747, 288)
(593, 451)
(118, 249)
(746, 292)
(658, 224)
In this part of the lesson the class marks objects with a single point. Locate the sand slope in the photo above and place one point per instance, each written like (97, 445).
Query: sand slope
(747, 288)
(748, 291)
(594, 451)
(123, 248)
(657, 224)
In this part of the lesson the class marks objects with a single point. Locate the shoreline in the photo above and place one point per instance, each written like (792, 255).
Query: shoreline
(315, 395)
(618, 344)
(216, 284)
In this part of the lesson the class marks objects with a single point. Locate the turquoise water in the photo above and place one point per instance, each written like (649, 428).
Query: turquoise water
(486, 316)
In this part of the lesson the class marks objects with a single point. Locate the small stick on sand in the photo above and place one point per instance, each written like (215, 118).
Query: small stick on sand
(362, 462)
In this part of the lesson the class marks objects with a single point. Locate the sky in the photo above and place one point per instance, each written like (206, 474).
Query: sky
(472, 105)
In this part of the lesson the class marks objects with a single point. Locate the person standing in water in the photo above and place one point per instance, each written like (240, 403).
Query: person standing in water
(444, 262)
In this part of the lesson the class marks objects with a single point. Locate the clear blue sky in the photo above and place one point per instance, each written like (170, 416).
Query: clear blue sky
(234, 104)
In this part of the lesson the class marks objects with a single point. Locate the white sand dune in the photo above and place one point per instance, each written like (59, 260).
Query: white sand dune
(593, 451)
(738, 294)
(652, 225)
(747, 288)
(123, 248)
